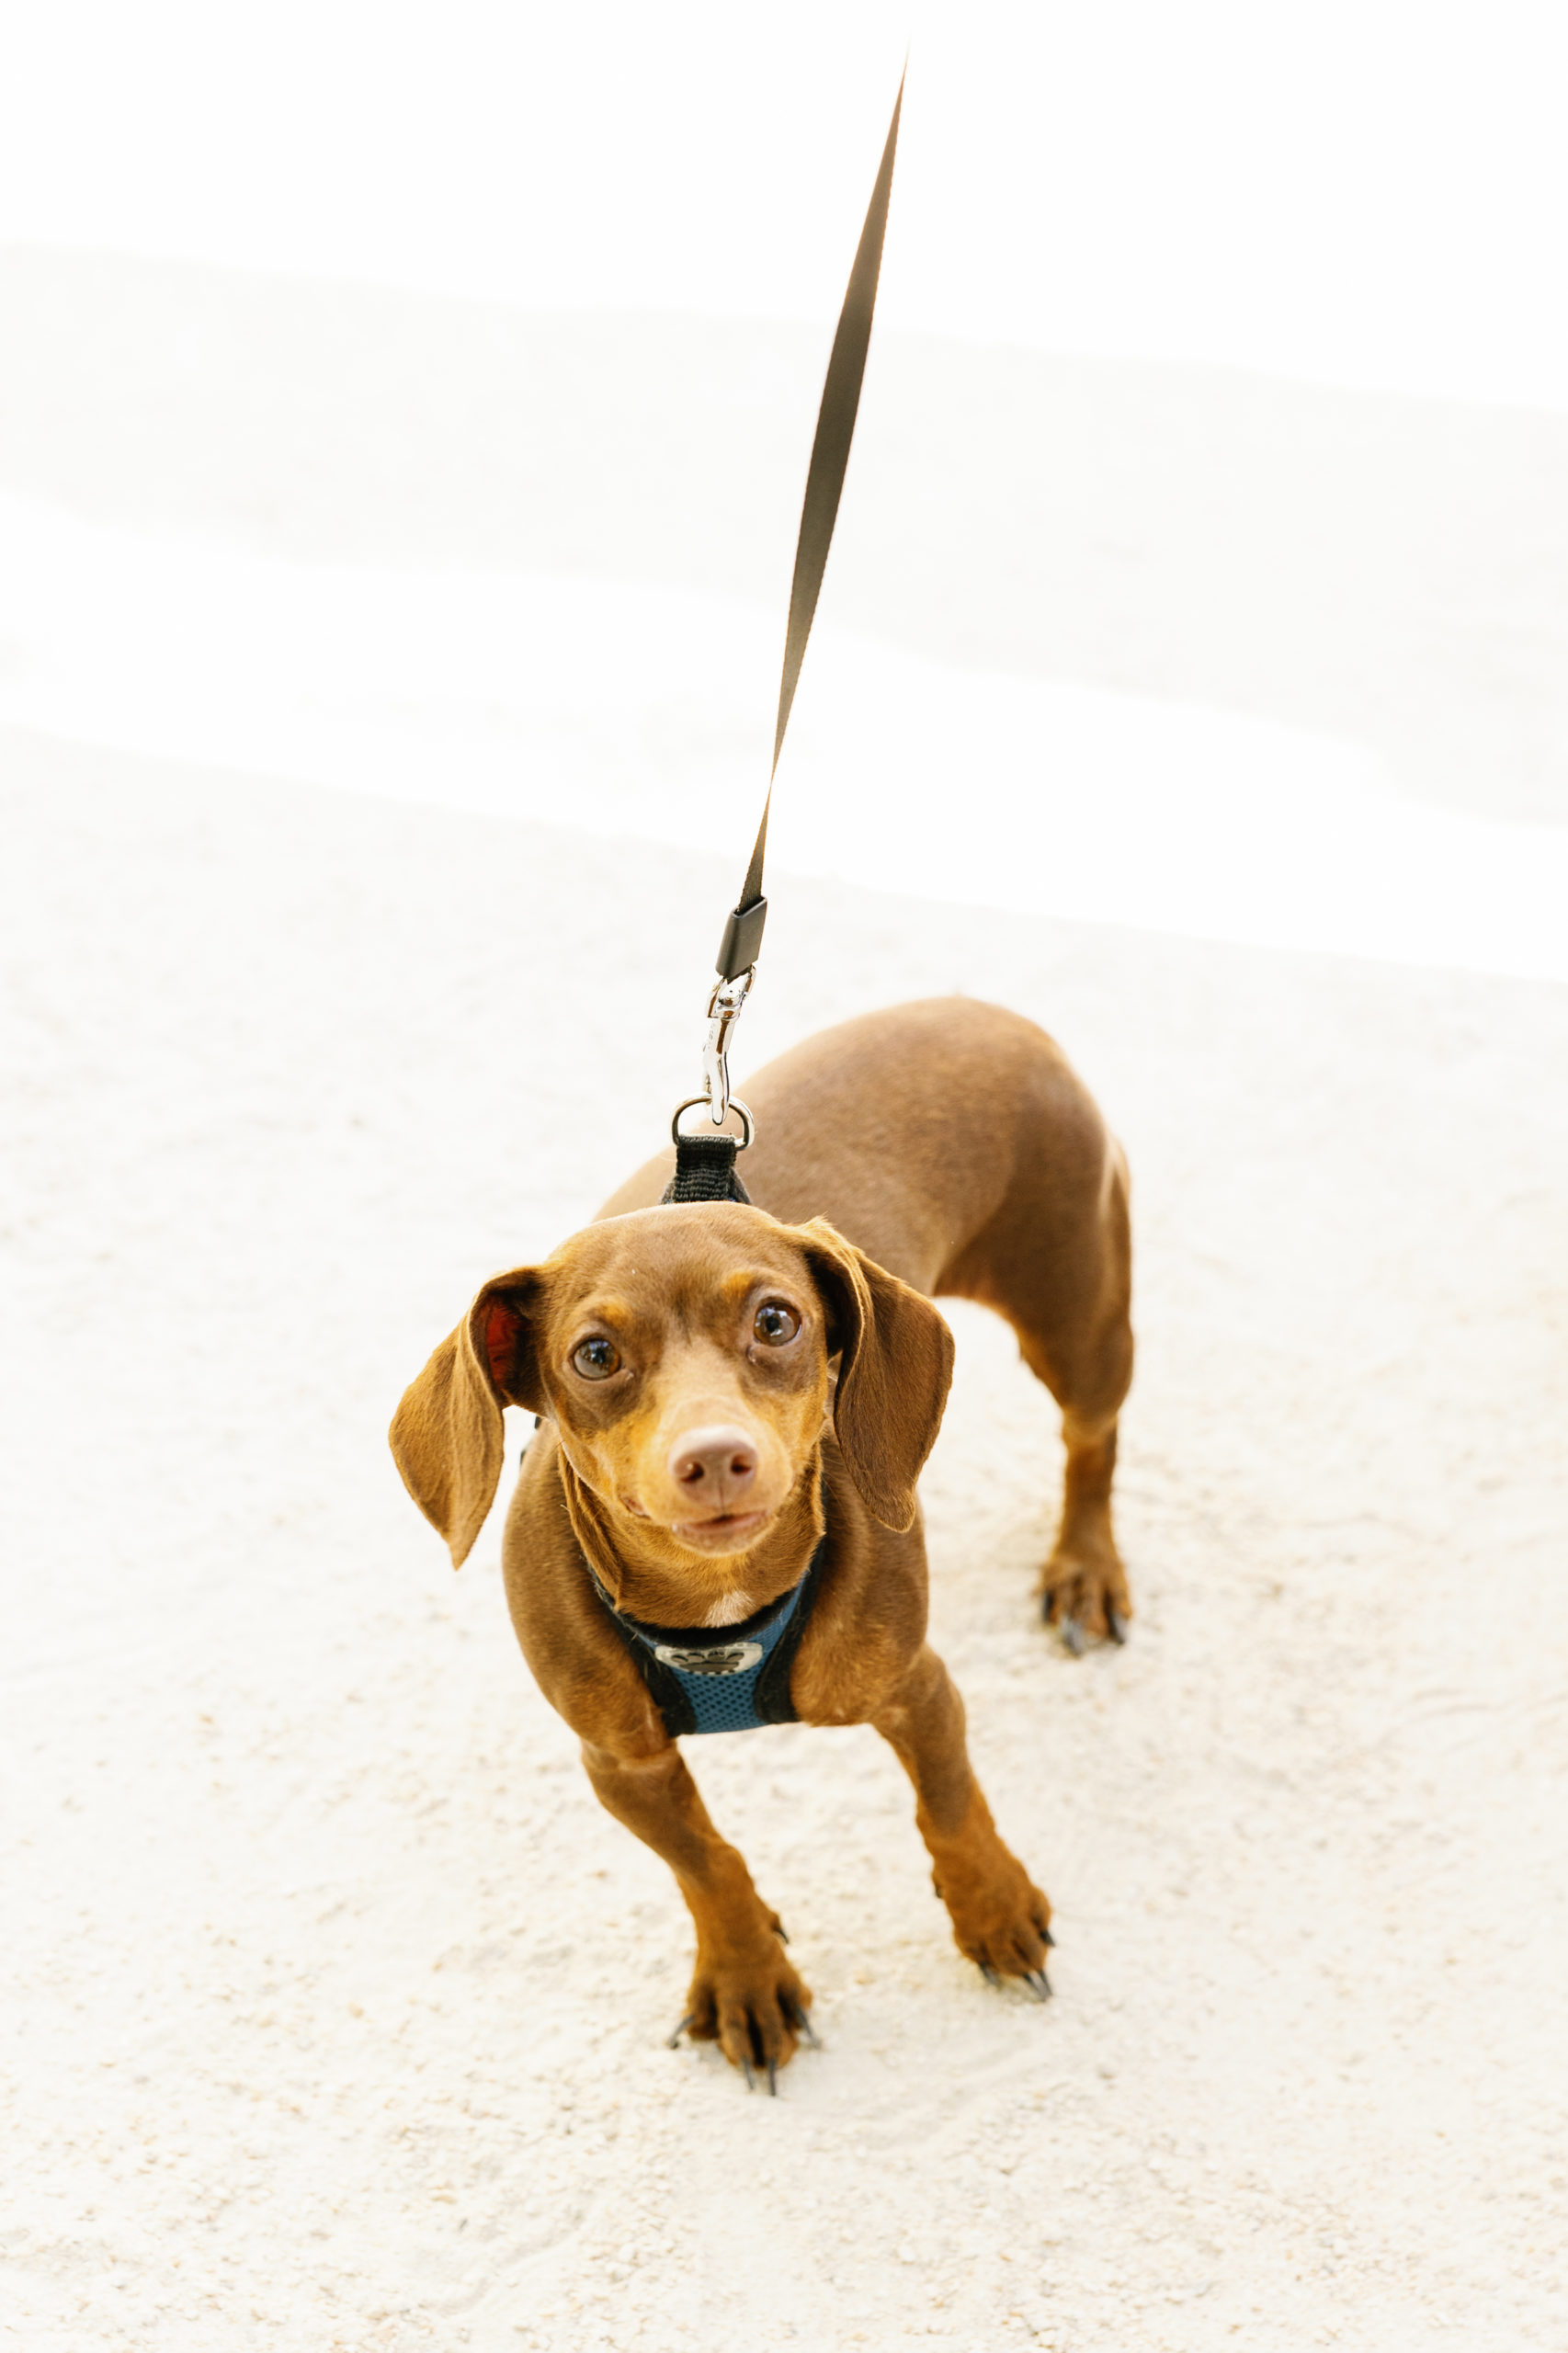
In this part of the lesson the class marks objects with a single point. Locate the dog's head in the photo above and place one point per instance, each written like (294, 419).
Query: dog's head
(689, 1358)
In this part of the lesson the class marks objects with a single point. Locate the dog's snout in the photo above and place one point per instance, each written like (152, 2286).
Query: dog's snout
(714, 1467)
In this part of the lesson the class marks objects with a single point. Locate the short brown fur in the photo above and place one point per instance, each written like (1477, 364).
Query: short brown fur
(939, 1148)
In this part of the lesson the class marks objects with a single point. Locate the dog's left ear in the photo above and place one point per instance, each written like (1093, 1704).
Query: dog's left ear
(446, 1436)
(897, 1364)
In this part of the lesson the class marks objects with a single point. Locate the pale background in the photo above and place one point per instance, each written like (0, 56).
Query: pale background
(411, 407)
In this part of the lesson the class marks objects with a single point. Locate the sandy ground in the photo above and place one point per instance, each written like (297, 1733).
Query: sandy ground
(336, 2008)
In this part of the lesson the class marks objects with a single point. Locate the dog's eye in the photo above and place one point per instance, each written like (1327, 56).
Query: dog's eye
(595, 1360)
(776, 1323)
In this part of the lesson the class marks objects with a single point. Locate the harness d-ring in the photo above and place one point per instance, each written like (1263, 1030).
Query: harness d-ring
(748, 1124)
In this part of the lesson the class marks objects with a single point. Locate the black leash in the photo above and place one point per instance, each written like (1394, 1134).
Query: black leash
(819, 512)
(738, 949)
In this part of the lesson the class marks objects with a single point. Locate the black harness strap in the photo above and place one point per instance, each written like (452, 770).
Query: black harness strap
(705, 1170)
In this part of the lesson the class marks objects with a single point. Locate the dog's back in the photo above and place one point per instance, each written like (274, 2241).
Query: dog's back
(910, 1129)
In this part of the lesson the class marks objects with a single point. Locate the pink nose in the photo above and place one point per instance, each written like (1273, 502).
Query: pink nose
(714, 1468)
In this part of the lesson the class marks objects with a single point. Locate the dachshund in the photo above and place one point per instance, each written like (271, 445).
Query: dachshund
(716, 1522)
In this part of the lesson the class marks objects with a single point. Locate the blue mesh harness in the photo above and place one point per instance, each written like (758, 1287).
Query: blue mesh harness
(722, 1679)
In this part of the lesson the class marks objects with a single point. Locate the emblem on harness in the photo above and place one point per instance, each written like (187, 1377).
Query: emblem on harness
(732, 1658)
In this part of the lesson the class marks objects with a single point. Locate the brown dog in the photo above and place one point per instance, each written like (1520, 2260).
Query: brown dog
(737, 1401)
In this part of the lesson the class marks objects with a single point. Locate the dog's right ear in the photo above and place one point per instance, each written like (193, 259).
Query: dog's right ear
(446, 1436)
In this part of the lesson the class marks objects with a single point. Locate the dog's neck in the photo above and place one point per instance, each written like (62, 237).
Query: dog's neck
(647, 1575)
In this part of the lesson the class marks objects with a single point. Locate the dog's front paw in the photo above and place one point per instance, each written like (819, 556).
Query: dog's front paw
(1084, 1595)
(754, 2006)
(1001, 1920)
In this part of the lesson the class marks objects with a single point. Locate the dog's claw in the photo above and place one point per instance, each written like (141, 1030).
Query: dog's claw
(1038, 1984)
(780, 1931)
(989, 1973)
(772, 2080)
(1071, 1635)
(751, 2079)
(1118, 1625)
(802, 2024)
(690, 2019)
(1047, 1935)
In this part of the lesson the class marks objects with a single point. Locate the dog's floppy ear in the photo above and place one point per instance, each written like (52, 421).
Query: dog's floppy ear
(446, 1436)
(897, 1363)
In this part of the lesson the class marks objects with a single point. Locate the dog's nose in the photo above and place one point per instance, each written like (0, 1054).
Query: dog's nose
(714, 1467)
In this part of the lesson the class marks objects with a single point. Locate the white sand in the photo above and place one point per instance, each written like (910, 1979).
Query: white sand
(339, 2005)
(336, 2007)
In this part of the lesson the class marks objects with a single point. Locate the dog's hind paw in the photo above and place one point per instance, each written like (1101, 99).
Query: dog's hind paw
(1086, 1600)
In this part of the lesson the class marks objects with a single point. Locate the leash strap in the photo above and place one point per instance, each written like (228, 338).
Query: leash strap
(819, 513)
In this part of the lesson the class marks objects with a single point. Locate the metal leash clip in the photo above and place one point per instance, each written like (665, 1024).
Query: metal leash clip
(724, 1008)
(723, 1011)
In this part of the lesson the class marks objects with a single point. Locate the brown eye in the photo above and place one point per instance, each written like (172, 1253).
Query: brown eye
(776, 1323)
(595, 1360)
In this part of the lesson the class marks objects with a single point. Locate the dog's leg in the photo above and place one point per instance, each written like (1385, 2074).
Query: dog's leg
(1083, 1585)
(1056, 1260)
(1084, 1589)
(745, 1995)
(1001, 1921)
(1076, 1338)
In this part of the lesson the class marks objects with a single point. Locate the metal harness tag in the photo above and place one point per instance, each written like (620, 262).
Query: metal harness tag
(733, 1659)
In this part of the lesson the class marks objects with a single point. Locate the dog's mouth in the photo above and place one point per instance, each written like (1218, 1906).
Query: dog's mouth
(722, 1531)
(718, 1533)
